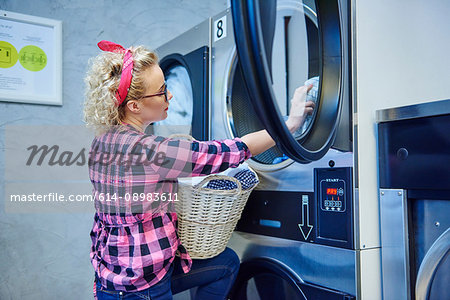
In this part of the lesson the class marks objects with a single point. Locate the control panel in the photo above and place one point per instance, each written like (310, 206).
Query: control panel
(322, 217)
(332, 194)
(334, 214)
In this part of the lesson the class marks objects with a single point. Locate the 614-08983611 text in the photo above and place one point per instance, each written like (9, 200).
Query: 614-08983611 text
(169, 197)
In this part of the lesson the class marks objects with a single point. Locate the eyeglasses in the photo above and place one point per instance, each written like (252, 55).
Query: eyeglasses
(160, 93)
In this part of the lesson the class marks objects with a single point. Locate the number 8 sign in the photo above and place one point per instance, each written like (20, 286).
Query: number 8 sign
(220, 28)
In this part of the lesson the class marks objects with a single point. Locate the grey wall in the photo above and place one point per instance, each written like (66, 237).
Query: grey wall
(46, 256)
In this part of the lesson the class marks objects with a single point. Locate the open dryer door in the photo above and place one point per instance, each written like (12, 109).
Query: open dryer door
(251, 23)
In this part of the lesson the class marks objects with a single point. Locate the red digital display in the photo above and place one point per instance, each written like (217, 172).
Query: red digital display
(331, 191)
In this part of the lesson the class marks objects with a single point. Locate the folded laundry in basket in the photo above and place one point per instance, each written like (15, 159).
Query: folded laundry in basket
(221, 184)
(246, 177)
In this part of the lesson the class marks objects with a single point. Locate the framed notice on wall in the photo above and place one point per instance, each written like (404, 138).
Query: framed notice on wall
(30, 59)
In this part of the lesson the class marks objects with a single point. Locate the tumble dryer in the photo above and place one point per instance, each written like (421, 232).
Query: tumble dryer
(185, 61)
(296, 236)
(413, 153)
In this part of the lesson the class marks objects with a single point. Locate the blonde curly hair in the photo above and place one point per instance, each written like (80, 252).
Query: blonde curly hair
(102, 81)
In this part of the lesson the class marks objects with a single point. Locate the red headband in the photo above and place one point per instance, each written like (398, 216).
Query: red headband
(127, 68)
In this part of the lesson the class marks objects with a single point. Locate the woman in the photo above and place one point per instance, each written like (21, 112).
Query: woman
(136, 252)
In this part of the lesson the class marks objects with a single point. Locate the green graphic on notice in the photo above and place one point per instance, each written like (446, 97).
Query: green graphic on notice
(32, 58)
(8, 55)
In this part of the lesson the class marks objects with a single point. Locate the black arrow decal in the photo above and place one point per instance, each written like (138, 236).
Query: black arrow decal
(305, 227)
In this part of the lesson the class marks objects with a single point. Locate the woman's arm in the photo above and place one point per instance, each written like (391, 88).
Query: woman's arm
(171, 158)
(260, 141)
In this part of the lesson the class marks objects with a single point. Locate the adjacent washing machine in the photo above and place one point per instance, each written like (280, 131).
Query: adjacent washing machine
(413, 143)
(296, 236)
(185, 62)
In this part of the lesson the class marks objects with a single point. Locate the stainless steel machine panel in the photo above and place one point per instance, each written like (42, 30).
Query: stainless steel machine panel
(394, 251)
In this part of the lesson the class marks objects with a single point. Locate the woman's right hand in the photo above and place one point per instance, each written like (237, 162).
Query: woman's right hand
(300, 108)
(260, 141)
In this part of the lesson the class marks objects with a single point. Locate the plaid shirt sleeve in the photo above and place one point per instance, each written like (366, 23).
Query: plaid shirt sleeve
(180, 158)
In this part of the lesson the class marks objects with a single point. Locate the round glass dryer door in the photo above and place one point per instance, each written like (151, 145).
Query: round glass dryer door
(282, 45)
(266, 279)
(293, 46)
(434, 272)
(267, 286)
(180, 113)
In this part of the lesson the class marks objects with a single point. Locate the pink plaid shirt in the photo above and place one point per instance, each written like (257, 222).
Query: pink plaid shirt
(134, 243)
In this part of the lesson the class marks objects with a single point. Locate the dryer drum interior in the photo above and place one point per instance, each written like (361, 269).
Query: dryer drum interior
(187, 79)
(179, 83)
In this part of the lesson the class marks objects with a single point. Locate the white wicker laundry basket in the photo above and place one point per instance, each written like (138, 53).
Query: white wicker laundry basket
(207, 217)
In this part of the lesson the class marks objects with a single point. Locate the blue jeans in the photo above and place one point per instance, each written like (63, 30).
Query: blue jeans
(213, 278)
